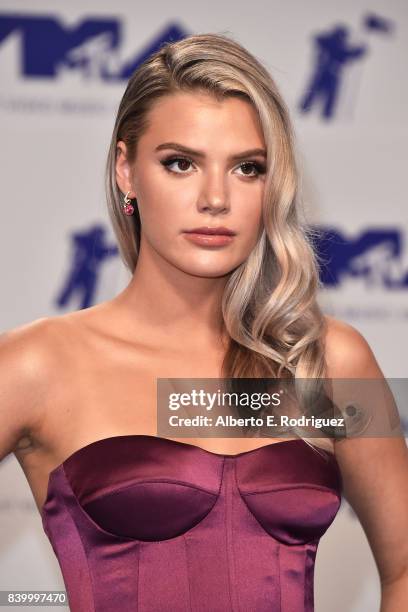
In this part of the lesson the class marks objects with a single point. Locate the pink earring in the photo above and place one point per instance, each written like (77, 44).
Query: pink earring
(128, 207)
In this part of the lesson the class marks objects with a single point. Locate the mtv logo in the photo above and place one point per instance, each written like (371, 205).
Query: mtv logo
(375, 256)
(93, 46)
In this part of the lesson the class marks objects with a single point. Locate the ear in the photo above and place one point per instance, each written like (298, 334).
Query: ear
(123, 170)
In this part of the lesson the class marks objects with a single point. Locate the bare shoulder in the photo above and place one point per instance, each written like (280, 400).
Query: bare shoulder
(23, 349)
(37, 350)
(30, 357)
(31, 346)
(348, 353)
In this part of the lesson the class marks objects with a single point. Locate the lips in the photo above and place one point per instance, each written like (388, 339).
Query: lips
(209, 237)
(212, 231)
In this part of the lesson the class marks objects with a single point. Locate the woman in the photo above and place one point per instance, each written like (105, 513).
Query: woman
(202, 141)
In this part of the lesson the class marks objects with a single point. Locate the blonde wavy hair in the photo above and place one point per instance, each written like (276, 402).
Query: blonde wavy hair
(269, 305)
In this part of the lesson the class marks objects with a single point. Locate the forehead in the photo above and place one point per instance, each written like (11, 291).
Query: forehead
(192, 114)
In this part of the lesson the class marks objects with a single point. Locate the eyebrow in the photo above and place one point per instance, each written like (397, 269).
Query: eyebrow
(183, 149)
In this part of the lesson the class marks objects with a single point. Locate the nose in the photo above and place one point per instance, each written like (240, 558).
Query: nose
(214, 197)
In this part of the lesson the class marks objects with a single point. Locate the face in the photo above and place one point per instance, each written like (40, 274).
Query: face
(200, 164)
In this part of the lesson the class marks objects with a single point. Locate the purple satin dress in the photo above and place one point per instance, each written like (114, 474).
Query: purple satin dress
(147, 524)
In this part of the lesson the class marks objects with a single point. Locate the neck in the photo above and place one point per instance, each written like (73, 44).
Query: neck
(180, 305)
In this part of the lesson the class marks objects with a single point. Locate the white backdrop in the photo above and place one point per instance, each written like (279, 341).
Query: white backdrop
(56, 123)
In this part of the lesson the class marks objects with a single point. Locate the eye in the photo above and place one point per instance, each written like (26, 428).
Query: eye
(176, 160)
(183, 164)
(259, 169)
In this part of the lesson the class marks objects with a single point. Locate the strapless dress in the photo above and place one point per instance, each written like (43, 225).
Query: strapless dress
(146, 524)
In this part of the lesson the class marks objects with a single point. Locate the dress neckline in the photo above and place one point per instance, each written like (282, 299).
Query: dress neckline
(162, 440)
(171, 441)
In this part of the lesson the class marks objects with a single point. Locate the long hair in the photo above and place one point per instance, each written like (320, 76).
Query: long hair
(269, 305)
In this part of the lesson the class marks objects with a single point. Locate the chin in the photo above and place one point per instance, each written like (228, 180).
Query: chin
(207, 270)
(205, 264)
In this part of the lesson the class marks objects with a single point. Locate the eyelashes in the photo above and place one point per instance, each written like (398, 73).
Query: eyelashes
(169, 161)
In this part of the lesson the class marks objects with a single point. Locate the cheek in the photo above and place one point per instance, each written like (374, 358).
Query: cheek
(248, 213)
(159, 211)
(164, 203)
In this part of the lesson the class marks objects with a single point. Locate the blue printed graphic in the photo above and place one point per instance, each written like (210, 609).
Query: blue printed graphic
(89, 252)
(92, 47)
(375, 256)
(333, 53)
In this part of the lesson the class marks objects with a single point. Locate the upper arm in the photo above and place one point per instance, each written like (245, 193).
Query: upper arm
(25, 364)
(374, 469)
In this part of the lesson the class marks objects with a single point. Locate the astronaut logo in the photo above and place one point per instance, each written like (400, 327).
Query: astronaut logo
(334, 52)
(89, 251)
